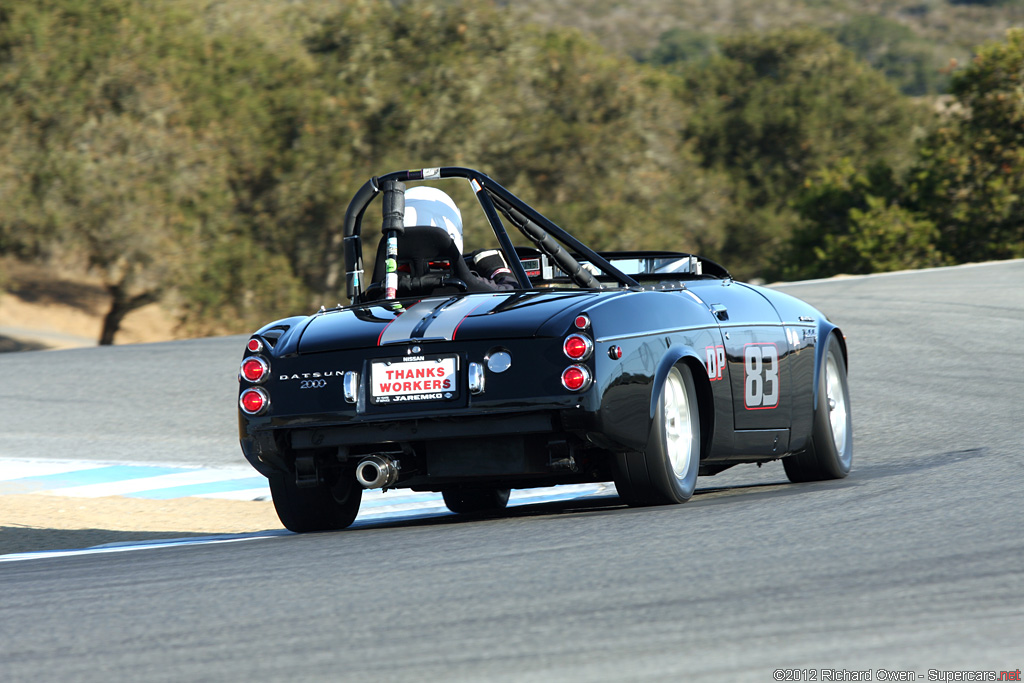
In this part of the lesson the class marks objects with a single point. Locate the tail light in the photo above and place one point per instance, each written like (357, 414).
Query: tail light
(254, 401)
(254, 345)
(576, 378)
(255, 369)
(577, 347)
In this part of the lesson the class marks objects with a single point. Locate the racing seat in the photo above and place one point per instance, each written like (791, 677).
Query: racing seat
(429, 264)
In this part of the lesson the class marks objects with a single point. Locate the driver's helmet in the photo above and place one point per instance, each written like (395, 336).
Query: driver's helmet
(426, 205)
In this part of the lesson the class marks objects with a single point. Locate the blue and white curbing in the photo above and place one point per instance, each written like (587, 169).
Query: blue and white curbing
(88, 479)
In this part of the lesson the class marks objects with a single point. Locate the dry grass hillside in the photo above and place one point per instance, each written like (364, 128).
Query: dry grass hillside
(42, 308)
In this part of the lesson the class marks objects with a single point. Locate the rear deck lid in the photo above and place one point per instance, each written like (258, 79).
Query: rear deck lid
(470, 317)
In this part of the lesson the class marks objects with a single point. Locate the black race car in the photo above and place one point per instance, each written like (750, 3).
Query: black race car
(642, 368)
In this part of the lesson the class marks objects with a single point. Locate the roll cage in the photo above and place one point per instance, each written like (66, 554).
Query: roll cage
(494, 200)
(563, 252)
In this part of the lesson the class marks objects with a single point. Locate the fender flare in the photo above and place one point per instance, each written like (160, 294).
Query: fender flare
(826, 328)
(705, 398)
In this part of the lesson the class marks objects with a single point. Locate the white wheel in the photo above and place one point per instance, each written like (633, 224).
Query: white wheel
(677, 425)
(830, 454)
(666, 471)
(838, 409)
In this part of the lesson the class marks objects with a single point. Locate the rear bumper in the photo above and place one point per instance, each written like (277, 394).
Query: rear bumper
(512, 450)
(428, 429)
(518, 449)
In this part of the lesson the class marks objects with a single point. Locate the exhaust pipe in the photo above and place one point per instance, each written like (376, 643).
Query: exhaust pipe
(377, 471)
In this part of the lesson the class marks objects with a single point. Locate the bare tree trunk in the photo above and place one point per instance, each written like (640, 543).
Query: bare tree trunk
(333, 262)
(121, 305)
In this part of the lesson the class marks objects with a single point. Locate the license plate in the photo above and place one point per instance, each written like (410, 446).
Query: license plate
(408, 380)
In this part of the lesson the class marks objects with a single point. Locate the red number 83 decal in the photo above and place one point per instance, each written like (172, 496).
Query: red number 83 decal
(761, 376)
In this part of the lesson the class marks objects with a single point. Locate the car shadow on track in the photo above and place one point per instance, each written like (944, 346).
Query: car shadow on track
(11, 345)
(604, 504)
(598, 504)
(18, 539)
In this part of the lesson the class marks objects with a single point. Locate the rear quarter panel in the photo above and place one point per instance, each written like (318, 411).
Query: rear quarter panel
(654, 329)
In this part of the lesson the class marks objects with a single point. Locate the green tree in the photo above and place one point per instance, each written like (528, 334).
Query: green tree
(683, 45)
(895, 50)
(776, 108)
(587, 135)
(882, 238)
(205, 154)
(969, 180)
(121, 201)
(136, 135)
(97, 182)
(853, 222)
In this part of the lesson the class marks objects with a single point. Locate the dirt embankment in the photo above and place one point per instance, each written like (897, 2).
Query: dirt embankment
(41, 308)
(33, 522)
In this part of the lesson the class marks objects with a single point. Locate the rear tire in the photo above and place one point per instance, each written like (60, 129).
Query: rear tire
(327, 507)
(830, 454)
(471, 500)
(666, 472)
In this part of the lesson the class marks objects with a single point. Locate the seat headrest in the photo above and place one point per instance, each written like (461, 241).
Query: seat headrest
(426, 242)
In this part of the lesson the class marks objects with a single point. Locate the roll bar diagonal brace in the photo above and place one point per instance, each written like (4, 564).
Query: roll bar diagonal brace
(493, 199)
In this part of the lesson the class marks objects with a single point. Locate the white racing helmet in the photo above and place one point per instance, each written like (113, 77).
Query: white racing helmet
(426, 205)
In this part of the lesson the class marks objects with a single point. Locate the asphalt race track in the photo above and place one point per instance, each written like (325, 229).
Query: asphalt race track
(913, 563)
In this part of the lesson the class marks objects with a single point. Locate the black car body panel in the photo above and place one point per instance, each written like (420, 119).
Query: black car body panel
(466, 387)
